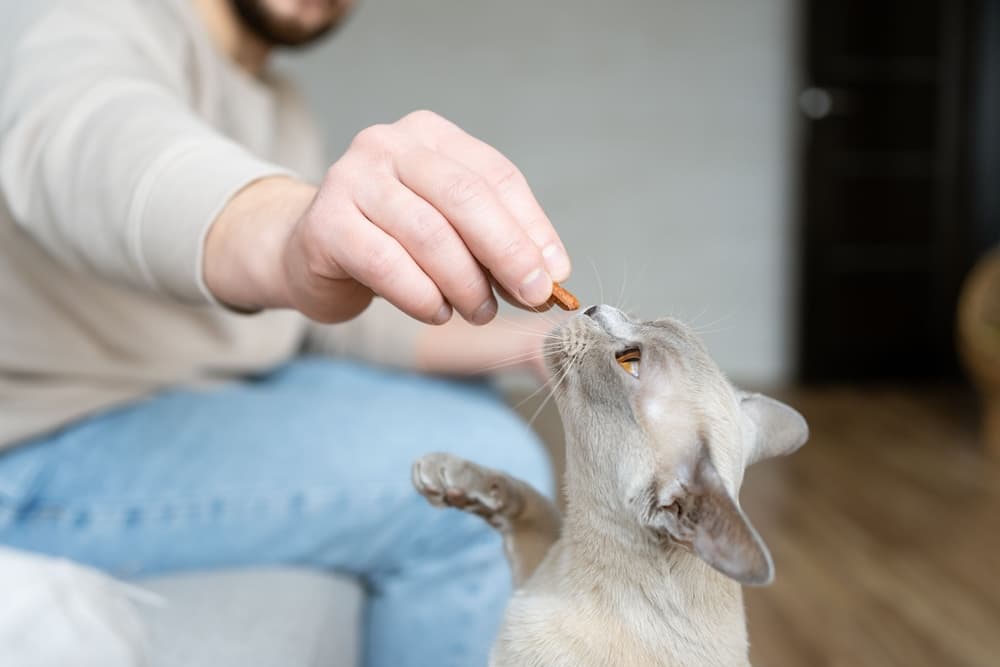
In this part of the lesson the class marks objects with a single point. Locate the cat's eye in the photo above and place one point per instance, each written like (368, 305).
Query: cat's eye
(629, 360)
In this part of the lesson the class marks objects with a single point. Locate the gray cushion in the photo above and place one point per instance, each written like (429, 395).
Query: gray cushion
(255, 618)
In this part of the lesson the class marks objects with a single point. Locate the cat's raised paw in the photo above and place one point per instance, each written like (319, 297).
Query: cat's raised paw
(450, 481)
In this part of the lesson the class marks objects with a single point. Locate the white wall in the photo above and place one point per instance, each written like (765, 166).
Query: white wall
(656, 133)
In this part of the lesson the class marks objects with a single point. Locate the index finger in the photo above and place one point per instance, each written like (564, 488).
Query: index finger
(488, 229)
(504, 177)
(513, 190)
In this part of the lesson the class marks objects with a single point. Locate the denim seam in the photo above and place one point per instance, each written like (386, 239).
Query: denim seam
(186, 508)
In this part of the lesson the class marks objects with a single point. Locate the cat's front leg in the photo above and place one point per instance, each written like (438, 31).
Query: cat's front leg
(528, 521)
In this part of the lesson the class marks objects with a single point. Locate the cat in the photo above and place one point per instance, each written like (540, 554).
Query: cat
(645, 567)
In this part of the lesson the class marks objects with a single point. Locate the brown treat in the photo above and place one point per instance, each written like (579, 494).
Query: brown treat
(562, 298)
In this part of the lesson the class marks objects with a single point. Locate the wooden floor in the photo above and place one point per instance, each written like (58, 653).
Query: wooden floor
(885, 530)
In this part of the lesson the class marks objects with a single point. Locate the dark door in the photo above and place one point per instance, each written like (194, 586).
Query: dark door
(884, 222)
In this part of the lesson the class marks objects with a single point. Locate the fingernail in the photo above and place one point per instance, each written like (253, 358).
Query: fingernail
(443, 315)
(556, 262)
(535, 288)
(486, 312)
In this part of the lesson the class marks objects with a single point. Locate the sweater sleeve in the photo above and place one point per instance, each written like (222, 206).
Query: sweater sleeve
(103, 161)
(382, 334)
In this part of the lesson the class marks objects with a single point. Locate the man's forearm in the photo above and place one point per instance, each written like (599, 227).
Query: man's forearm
(459, 348)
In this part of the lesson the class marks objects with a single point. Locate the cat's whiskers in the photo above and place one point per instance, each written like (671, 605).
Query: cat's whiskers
(622, 304)
(532, 334)
(707, 335)
(527, 354)
(707, 328)
(520, 327)
(525, 332)
(597, 274)
(693, 322)
(562, 378)
(514, 360)
(620, 301)
(545, 385)
(541, 313)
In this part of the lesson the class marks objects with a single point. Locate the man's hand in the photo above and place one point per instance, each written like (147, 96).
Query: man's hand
(418, 212)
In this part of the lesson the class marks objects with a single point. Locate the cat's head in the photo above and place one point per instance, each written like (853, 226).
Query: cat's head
(663, 437)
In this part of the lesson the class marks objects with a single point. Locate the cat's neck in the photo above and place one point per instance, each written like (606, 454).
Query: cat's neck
(639, 578)
(620, 557)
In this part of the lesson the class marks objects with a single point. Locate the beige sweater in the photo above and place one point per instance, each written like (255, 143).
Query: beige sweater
(123, 132)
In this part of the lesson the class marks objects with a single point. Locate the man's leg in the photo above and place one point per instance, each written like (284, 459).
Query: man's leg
(307, 466)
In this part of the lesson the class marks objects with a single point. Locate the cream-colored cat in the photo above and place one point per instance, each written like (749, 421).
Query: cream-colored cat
(645, 568)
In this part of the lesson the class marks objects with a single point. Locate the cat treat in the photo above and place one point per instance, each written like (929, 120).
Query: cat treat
(563, 298)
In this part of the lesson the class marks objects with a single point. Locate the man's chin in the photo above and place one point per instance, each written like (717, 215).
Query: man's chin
(257, 17)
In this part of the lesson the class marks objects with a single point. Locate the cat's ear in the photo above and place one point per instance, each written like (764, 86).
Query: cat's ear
(775, 429)
(702, 516)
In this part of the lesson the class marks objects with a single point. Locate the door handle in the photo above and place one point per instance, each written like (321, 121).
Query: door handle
(818, 102)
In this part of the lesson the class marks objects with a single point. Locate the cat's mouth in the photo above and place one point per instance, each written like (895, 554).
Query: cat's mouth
(612, 321)
(572, 338)
(567, 342)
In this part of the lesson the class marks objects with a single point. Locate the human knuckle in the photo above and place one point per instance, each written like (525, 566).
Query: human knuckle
(373, 137)
(421, 117)
(422, 219)
(466, 191)
(513, 248)
(508, 176)
(431, 231)
(335, 173)
(381, 263)
(345, 175)
(543, 234)
(477, 284)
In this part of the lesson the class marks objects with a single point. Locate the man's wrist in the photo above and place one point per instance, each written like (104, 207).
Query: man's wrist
(245, 246)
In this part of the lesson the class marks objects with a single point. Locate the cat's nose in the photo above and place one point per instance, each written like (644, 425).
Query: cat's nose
(590, 311)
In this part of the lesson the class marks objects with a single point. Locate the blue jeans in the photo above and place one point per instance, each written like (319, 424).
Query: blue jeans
(309, 466)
